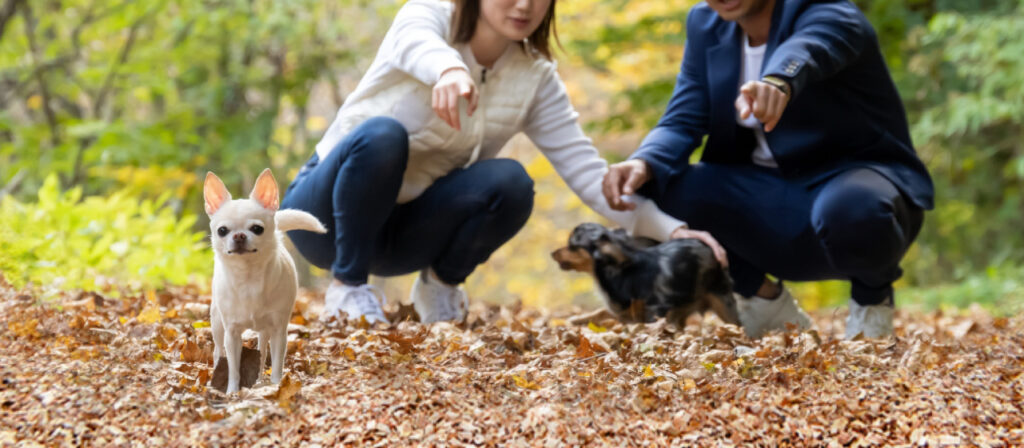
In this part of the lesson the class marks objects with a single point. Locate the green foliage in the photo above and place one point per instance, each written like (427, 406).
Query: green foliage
(1000, 291)
(636, 46)
(85, 243)
(88, 87)
(967, 106)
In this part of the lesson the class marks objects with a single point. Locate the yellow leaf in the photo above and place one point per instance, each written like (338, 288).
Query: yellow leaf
(34, 102)
(200, 324)
(524, 383)
(285, 392)
(648, 373)
(596, 328)
(169, 333)
(24, 329)
(149, 315)
(316, 123)
(171, 314)
(689, 384)
(349, 354)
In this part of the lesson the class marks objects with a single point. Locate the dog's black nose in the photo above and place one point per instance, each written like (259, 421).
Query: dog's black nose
(238, 236)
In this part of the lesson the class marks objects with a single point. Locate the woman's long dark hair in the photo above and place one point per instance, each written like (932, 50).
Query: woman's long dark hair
(467, 13)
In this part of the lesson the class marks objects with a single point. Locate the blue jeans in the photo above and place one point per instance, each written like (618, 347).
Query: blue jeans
(854, 226)
(453, 227)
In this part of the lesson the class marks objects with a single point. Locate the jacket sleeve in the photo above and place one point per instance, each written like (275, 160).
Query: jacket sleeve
(667, 148)
(552, 125)
(417, 41)
(827, 38)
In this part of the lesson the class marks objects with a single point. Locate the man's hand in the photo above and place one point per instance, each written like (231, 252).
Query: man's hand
(706, 238)
(765, 101)
(454, 83)
(624, 178)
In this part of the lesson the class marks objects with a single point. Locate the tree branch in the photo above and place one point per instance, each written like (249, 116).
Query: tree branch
(108, 82)
(7, 11)
(15, 182)
(44, 88)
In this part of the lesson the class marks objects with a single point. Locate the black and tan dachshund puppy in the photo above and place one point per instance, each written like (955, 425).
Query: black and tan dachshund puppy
(643, 280)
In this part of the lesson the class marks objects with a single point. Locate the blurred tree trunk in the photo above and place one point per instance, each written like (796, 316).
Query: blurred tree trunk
(7, 11)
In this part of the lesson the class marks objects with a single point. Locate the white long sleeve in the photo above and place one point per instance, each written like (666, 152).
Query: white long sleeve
(417, 44)
(552, 125)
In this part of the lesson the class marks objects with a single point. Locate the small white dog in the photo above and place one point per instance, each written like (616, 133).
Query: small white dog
(254, 280)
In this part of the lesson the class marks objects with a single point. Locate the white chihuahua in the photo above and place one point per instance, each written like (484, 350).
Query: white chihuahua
(254, 280)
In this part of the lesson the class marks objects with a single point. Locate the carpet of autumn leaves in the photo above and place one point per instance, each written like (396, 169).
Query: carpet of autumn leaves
(85, 369)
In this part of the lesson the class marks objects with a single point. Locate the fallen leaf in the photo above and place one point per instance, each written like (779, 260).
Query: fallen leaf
(285, 392)
(960, 330)
(524, 383)
(585, 349)
(648, 373)
(149, 315)
(190, 352)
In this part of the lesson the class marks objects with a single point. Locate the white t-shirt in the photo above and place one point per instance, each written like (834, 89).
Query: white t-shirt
(753, 58)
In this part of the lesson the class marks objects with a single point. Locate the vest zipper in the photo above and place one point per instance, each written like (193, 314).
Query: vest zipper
(481, 121)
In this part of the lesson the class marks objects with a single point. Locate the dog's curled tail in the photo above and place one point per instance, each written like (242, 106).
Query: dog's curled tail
(291, 219)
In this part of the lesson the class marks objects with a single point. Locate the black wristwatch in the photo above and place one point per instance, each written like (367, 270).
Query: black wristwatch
(778, 83)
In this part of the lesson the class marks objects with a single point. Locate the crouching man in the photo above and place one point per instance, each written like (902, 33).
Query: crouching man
(808, 172)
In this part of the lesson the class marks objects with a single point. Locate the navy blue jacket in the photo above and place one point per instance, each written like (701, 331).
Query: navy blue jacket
(844, 111)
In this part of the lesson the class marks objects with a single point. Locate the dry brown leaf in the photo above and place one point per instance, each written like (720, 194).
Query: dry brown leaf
(285, 392)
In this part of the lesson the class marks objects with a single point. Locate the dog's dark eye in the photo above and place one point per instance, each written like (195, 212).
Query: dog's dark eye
(222, 231)
(257, 229)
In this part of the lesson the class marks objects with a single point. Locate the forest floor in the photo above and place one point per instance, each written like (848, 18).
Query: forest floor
(85, 369)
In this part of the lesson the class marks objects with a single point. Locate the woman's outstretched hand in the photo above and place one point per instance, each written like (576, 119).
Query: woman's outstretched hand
(454, 83)
(624, 178)
(706, 238)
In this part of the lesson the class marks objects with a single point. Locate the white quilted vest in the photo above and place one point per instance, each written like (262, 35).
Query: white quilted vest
(435, 149)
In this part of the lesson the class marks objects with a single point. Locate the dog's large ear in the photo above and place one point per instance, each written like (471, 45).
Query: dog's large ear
(608, 250)
(215, 194)
(265, 191)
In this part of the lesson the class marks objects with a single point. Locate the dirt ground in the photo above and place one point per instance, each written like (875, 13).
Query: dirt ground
(85, 369)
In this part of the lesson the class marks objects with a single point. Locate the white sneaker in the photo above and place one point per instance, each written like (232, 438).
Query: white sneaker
(435, 301)
(759, 316)
(873, 321)
(363, 300)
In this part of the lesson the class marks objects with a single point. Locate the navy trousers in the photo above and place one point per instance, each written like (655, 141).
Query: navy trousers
(454, 226)
(853, 226)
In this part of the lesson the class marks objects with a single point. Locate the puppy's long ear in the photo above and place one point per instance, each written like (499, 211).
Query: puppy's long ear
(611, 251)
(265, 191)
(215, 193)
